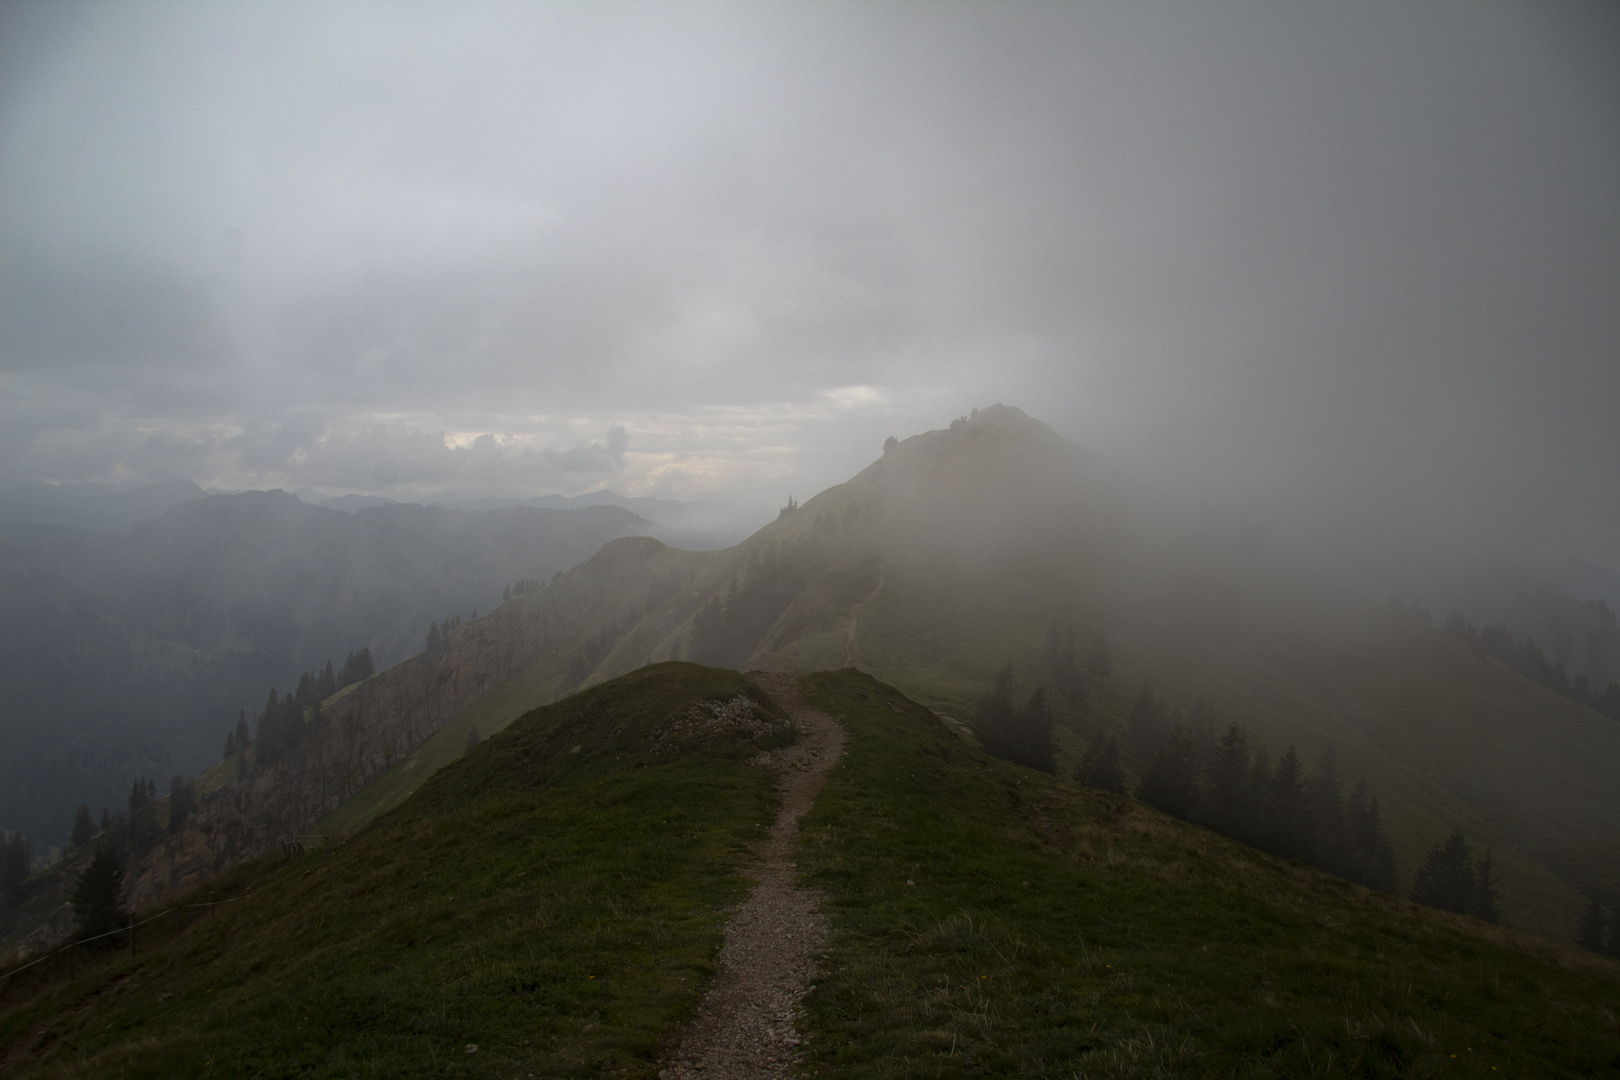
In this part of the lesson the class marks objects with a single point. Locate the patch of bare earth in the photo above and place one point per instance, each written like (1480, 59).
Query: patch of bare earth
(744, 1028)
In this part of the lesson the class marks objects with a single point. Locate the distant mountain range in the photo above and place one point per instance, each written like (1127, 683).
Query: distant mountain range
(130, 645)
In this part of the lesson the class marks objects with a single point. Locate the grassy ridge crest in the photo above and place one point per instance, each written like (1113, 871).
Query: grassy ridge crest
(557, 910)
(991, 920)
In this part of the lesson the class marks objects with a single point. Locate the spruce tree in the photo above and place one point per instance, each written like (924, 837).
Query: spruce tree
(1327, 813)
(84, 827)
(1033, 734)
(1447, 880)
(473, 738)
(326, 685)
(243, 736)
(98, 895)
(1485, 892)
(1201, 729)
(994, 719)
(1290, 812)
(230, 745)
(1171, 780)
(1146, 724)
(1370, 857)
(1591, 937)
(1260, 824)
(1099, 765)
(1229, 782)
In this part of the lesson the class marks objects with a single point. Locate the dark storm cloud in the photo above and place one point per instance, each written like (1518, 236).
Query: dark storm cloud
(1340, 264)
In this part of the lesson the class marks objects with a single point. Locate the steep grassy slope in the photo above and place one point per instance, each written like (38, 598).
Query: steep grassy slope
(558, 910)
(990, 920)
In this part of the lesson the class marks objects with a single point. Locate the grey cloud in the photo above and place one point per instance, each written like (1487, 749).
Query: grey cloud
(398, 459)
(1353, 258)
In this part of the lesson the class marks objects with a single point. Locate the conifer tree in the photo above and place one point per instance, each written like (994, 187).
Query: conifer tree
(243, 736)
(506, 594)
(1327, 812)
(1590, 937)
(1099, 765)
(1146, 724)
(1201, 729)
(98, 895)
(1171, 780)
(230, 745)
(1447, 880)
(326, 685)
(473, 738)
(1033, 734)
(435, 641)
(1370, 855)
(1485, 893)
(994, 718)
(1259, 800)
(1229, 782)
(84, 827)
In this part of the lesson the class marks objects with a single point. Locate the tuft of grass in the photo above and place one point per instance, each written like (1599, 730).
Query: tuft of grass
(991, 920)
(557, 910)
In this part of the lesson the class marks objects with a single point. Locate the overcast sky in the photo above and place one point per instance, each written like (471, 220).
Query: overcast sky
(1340, 262)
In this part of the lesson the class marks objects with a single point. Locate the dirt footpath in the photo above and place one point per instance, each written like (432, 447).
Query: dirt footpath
(744, 1028)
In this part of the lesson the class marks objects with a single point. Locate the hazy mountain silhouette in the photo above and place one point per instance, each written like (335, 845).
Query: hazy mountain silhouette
(132, 654)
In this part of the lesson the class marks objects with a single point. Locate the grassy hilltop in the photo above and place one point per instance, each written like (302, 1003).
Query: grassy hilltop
(560, 912)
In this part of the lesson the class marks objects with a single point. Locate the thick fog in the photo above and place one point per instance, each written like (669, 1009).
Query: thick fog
(1354, 268)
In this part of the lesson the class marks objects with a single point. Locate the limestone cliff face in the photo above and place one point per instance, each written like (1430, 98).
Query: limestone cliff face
(380, 722)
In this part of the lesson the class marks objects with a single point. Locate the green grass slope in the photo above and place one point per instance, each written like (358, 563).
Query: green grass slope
(557, 910)
(989, 920)
(602, 597)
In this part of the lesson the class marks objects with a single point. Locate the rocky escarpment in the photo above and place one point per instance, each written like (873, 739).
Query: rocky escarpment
(376, 724)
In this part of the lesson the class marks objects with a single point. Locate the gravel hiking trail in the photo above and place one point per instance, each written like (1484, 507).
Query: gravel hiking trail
(744, 1028)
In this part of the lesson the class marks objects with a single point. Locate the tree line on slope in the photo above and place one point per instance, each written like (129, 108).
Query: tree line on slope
(1600, 930)
(1228, 784)
(1525, 656)
(283, 721)
(119, 837)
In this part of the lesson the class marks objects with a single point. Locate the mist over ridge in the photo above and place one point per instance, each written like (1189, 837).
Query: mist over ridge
(1348, 271)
